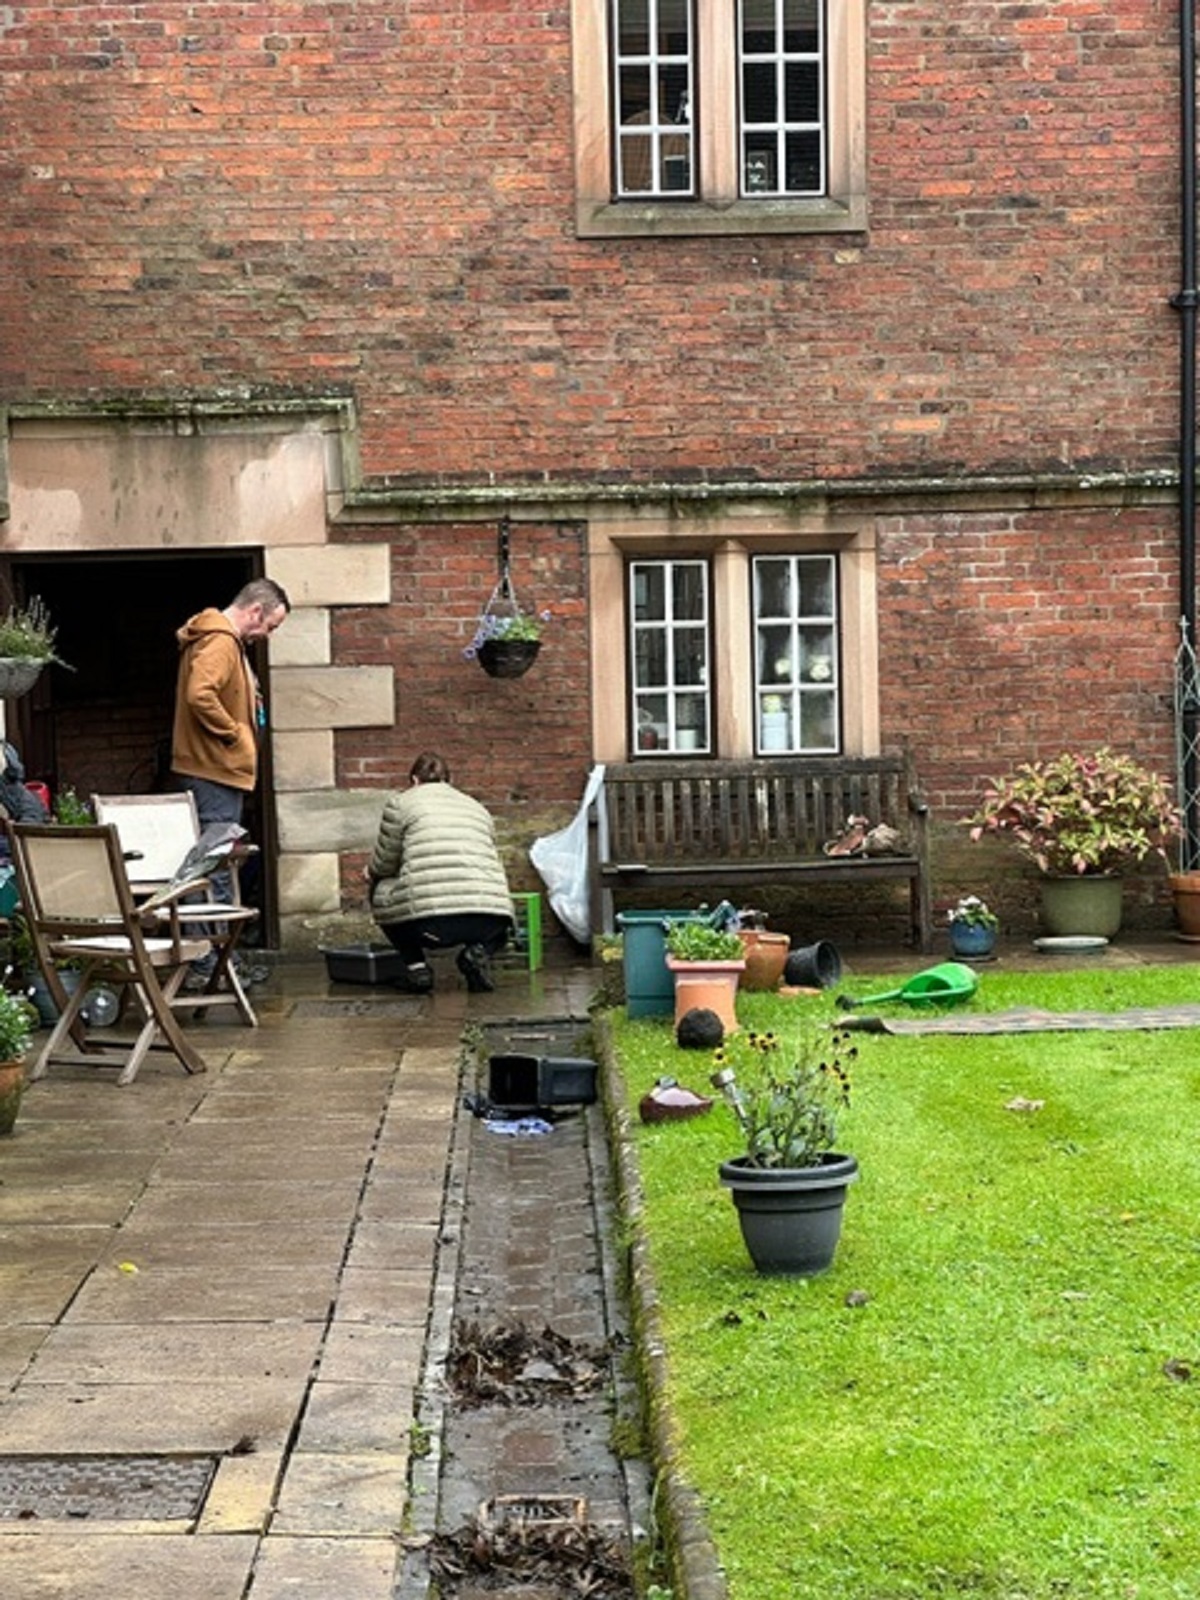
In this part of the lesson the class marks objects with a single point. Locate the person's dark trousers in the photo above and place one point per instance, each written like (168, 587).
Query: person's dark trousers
(215, 802)
(480, 936)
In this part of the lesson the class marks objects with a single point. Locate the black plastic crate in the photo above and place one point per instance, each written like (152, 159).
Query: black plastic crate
(527, 1082)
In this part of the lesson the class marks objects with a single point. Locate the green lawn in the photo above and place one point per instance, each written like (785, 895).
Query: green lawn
(1008, 1414)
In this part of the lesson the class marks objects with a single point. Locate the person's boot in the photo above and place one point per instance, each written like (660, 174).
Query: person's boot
(417, 978)
(475, 964)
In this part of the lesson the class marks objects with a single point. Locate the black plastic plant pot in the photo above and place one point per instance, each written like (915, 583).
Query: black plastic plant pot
(508, 658)
(791, 1217)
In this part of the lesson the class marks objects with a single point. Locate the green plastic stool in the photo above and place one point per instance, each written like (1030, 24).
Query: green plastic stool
(528, 937)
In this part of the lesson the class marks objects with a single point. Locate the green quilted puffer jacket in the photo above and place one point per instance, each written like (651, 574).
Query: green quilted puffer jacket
(436, 856)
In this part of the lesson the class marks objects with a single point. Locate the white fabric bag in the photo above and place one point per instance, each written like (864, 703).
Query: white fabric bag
(562, 862)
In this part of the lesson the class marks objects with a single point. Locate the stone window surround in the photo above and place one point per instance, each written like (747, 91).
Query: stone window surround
(728, 540)
(718, 210)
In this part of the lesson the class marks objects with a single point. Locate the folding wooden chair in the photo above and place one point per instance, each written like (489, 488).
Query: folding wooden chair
(77, 904)
(157, 831)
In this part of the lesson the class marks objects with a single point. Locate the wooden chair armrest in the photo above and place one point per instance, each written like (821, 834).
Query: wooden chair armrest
(170, 896)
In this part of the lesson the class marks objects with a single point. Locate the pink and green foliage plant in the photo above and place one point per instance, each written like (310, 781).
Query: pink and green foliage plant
(1096, 813)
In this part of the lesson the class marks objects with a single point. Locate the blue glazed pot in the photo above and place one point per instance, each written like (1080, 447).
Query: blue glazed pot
(972, 939)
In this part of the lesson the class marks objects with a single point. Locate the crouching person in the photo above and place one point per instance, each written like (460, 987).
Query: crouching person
(437, 880)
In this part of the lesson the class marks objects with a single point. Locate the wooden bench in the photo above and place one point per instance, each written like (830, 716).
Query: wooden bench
(726, 825)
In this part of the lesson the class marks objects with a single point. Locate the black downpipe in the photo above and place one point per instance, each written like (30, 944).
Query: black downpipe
(1185, 302)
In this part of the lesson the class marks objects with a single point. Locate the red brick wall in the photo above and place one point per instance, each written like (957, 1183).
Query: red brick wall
(520, 745)
(379, 197)
(1010, 638)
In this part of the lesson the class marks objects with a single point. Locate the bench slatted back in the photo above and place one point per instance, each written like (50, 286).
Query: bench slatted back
(668, 810)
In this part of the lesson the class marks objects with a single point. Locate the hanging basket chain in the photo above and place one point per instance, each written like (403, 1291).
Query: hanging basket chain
(504, 630)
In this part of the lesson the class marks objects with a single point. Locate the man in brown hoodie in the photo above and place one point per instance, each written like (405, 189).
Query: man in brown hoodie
(218, 706)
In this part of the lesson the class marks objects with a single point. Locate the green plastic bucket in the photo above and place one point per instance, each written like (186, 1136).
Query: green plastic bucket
(649, 983)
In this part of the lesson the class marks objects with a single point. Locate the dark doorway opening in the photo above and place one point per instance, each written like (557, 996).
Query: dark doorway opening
(105, 727)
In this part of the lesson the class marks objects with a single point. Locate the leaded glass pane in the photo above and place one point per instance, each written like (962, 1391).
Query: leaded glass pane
(649, 593)
(815, 578)
(802, 92)
(633, 27)
(801, 25)
(690, 590)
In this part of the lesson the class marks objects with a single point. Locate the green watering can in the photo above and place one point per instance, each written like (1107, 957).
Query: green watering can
(940, 985)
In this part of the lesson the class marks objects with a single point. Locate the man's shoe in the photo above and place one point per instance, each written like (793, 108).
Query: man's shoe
(199, 974)
(476, 967)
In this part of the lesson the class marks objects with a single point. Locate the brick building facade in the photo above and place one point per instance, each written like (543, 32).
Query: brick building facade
(327, 290)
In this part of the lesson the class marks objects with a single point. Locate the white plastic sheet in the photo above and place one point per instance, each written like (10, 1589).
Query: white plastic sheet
(562, 862)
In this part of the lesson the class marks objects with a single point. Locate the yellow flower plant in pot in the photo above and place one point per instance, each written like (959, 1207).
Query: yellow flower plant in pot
(789, 1184)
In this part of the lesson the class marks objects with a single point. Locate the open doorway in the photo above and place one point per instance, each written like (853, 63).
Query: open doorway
(105, 727)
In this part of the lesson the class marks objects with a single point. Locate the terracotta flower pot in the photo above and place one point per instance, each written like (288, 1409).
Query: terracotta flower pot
(1185, 892)
(766, 956)
(711, 985)
(12, 1087)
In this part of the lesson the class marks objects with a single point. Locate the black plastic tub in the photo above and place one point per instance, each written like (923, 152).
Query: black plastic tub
(529, 1082)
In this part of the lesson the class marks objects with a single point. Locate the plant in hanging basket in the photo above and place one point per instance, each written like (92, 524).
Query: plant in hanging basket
(506, 645)
(26, 646)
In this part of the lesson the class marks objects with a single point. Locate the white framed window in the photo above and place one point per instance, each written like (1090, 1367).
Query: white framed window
(669, 657)
(719, 116)
(796, 655)
(738, 603)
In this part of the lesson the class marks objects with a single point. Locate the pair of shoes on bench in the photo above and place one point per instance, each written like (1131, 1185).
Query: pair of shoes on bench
(475, 964)
(851, 840)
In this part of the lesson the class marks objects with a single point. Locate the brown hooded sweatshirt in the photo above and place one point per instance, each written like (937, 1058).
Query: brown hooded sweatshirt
(215, 704)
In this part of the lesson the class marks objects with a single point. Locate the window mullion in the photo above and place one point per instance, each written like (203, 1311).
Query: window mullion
(716, 125)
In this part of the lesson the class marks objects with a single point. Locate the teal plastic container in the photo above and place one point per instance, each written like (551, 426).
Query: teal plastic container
(649, 983)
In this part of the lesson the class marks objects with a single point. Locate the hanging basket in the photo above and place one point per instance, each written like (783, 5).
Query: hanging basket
(508, 658)
(18, 674)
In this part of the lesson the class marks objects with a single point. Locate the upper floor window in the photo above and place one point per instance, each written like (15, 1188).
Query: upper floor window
(719, 116)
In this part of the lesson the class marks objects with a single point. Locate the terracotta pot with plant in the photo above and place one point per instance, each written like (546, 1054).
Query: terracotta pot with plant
(789, 1185)
(1082, 820)
(707, 964)
(17, 1022)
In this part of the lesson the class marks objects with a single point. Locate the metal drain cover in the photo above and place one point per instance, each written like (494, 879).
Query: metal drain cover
(357, 1008)
(117, 1488)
